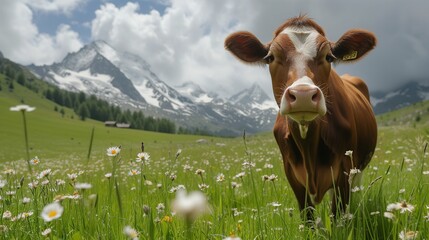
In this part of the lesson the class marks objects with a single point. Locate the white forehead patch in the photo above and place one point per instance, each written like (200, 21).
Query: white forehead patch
(304, 40)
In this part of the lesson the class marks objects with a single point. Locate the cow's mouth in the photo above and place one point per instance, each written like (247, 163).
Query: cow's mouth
(300, 117)
(303, 119)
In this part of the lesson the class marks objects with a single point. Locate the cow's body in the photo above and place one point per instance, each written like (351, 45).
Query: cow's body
(322, 115)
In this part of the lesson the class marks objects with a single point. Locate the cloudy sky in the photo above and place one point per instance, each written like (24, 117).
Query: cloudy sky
(183, 39)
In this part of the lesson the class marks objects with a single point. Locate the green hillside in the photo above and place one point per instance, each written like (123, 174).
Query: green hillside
(230, 173)
(52, 135)
(412, 116)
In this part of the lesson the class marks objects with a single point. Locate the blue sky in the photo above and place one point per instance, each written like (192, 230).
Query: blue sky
(80, 19)
(182, 40)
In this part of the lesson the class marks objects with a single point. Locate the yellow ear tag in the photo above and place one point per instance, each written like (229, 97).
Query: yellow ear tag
(350, 56)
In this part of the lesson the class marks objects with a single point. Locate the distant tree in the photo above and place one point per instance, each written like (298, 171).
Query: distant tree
(82, 97)
(137, 120)
(418, 118)
(63, 112)
(72, 97)
(58, 96)
(104, 113)
(9, 72)
(48, 94)
(83, 112)
(166, 126)
(21, 78)
(67, 100)
(76, 104)
(122, 119)
(55, 108)
(150, 124)
(11, 87)
(109, 114)
(128, 115)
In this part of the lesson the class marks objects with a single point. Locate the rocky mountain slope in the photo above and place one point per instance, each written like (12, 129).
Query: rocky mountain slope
(127, 80)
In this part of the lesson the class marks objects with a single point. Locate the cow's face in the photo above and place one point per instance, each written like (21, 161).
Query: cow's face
(300, 62)
(299, 59)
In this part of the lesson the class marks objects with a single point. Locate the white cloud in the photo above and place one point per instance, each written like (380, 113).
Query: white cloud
(22, 42)
(63, 6)
(185, 42)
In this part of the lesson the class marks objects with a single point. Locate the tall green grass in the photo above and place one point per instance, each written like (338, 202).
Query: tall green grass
(243, 205)
(252, 200)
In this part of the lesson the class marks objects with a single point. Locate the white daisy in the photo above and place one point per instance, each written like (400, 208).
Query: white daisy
(220, 177)
(22, 108)
(190, 206)
(409, 235)
(83, 186)
(131, 233)
(35, 161)
(113, 151)
(52, 211)
(143, 157)
(46, 232)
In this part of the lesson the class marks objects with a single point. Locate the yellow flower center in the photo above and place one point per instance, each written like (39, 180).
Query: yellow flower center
(167, 219)
(113, 151)
(52, 213)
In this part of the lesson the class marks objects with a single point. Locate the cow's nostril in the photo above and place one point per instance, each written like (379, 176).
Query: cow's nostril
(290, 95)
(316, 97)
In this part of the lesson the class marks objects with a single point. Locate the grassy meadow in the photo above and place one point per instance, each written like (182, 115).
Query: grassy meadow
(117, 197)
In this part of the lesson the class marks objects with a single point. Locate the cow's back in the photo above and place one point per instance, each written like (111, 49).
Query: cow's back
(365, 129)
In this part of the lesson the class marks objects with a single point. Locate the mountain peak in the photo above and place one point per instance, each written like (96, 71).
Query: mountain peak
(191, 87)
(1, 55)
(256, 89)
(99, 43)
(194, 92)
(125, 79)
(104, 49)
(407, 94)
(253, 94)
(81, 59)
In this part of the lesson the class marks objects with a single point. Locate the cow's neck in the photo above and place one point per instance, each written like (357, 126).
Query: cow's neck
(335, 129)
(308, 148)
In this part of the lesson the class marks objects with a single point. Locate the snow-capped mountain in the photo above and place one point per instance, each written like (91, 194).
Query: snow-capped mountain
(91, 72)
(127, 80)
(253, 98)
(194, 92)
(409, 93)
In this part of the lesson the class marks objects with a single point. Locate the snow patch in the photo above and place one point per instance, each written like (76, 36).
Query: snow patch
(205, 98)
(375, 101)
(108, 52)
(265, 105)
(147, 94)
(82, 80)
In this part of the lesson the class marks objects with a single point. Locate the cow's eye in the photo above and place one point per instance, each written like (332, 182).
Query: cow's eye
(330, 58)
(269, 58)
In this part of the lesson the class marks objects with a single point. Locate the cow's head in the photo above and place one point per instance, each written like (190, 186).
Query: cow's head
(299, 59)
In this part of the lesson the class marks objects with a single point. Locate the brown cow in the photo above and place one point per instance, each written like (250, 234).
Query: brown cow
(322, 115)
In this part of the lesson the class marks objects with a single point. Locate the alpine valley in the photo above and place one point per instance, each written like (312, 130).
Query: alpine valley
(126, 80)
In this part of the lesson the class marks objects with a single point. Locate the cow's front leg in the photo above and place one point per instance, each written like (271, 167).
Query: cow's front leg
(341, 197)
(305, 204)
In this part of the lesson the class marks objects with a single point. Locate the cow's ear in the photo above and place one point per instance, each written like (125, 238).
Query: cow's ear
(246, 47)
(353, 45)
